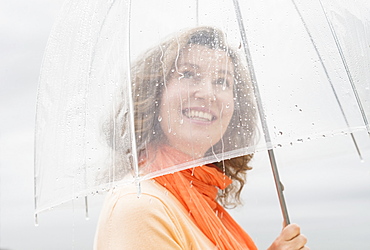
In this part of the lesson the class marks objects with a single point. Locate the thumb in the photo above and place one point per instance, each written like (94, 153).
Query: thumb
(284, 224)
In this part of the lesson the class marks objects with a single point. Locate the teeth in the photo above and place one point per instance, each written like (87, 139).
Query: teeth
(199, 115)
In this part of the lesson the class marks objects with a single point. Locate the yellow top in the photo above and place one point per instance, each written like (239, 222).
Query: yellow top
(154, 220)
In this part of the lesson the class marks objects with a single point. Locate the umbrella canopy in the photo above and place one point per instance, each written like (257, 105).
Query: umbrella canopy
(215, 80)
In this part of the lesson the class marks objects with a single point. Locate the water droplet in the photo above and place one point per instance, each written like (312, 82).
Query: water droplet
(36, 220)
(280, 133)
(160, 118)
(299, 140)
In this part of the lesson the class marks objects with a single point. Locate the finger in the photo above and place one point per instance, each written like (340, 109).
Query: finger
(299, 242)
(290, 232)
(305, 248)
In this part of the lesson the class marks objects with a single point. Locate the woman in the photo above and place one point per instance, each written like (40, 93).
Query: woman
(193, 100)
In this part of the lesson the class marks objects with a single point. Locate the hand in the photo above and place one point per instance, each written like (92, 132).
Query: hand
(290, 238)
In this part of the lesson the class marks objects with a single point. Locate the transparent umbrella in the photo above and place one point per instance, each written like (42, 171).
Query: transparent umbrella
(216, 80)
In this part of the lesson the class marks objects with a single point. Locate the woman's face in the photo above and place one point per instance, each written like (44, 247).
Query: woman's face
(197, 102)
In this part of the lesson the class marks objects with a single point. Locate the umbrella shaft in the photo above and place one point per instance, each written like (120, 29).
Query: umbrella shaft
(279, 187)
(262, 115)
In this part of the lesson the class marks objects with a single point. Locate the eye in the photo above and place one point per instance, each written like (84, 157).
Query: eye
(222, 81)
(188, 74)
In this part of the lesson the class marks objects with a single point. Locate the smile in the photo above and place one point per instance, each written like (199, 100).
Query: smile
(198, 115)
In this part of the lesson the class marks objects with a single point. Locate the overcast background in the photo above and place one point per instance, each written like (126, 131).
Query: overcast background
(327, 187)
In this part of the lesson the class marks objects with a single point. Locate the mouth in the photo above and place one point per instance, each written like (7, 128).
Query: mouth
(199, 115)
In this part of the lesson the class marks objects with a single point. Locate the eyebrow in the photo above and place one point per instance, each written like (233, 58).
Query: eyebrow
(226, 72)
(195, 66)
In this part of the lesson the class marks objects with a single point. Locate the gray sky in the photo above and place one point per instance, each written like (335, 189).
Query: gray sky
(328, 196)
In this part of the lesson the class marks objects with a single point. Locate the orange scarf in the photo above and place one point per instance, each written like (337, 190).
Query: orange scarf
(197, 189)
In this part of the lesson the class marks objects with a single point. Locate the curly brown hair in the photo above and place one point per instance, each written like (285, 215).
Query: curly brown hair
(149, 75)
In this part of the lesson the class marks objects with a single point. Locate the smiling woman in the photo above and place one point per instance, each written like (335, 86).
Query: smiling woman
(181, 82)
(192, 99)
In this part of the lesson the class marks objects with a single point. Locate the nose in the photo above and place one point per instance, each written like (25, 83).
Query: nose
(205, 90)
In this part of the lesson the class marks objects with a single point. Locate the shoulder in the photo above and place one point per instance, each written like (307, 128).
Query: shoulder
(150, 195)
(132, 206)
(154, 205)
(129, 219)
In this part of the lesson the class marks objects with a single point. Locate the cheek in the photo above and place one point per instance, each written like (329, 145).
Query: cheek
(229, 105)
(229, 113)
(171, 94)
(168, 112)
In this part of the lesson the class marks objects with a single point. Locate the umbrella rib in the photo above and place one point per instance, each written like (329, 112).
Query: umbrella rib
(262, 115)
(135, 161)
(197, 12)
(329, 79)
(345, 64)
(85, 117)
